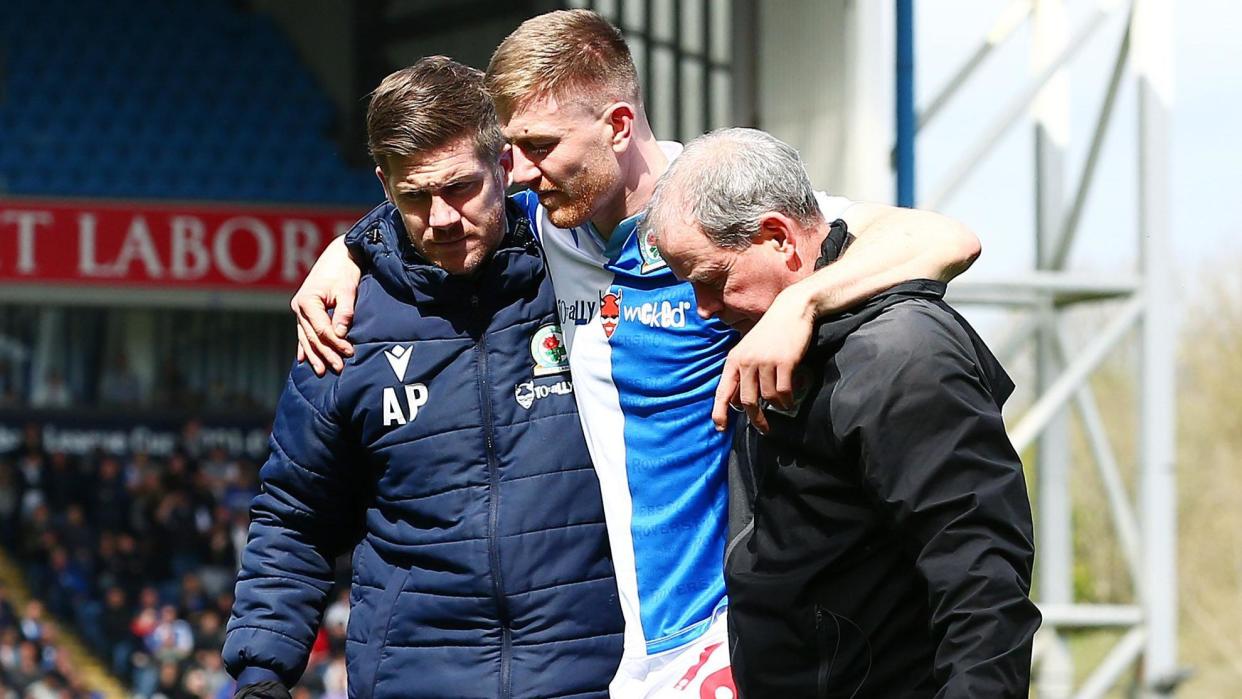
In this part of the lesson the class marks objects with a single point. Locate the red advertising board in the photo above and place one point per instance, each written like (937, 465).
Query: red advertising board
(170, 246)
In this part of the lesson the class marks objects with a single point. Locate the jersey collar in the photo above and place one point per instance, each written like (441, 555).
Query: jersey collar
(626, 228)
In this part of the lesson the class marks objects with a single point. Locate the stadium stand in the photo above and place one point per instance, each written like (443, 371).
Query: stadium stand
(181, 100)
(138, 556)
(124, 564)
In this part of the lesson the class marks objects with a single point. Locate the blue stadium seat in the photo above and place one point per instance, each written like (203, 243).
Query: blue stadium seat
(186, 99)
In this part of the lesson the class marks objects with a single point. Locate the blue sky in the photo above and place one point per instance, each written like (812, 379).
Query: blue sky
(1206, 145)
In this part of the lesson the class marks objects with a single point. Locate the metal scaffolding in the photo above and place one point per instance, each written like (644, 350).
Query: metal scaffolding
(1140, 301)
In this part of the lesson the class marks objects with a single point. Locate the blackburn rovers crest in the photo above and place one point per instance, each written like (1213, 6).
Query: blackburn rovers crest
(650, 253)
(547, 348)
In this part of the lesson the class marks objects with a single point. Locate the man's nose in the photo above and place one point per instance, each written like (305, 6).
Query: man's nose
(525, 172)
(708, 304)
(443, 214)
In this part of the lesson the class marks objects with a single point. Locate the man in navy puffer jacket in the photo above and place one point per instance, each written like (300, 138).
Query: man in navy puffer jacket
(449, 456)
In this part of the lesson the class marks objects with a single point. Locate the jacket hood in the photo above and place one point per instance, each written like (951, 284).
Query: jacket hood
(380, 245)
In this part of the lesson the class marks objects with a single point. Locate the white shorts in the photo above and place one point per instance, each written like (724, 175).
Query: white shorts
(699, 670)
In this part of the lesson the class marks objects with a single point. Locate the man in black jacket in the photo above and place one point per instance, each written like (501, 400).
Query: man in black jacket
(882, 539)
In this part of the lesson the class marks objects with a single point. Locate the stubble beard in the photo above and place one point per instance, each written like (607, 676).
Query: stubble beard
(582, 195)
(480, 247)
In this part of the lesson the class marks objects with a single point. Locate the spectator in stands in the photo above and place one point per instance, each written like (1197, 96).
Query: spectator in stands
(118, 641)
(217, 680)
(32, 621)
(119, 386)
(169, 686)
(110, 497)
(219, 468)
(335, 622)
(30, 463)
(70, 585)
(35, 529)
(194, 683)
(334, 680)
(49, 645)
(172, 639)
(129, 566)
(76, 534)
(191, 443)
(8, 617)
(209, 632)
(10, 502)
(62, 483)
(220, 553)
(219, 396)
(148, 616)
(240, 491)
(10, 646)
(52, 392)
(171, 390)
(88, 567)
(29, 666)
(10, 396)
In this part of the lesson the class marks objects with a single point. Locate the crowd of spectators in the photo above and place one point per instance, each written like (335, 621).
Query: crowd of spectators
(136, 556)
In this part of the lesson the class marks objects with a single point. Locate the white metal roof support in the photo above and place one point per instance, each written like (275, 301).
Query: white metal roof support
(1054, 534)
(1152, 32)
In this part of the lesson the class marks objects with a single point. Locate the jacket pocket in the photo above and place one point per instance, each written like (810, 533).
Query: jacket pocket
(843, 655)
(377, 634)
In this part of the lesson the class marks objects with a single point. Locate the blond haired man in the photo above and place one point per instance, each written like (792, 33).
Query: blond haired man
(646, 367)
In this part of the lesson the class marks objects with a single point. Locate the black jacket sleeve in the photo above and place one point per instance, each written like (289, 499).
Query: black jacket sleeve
(913, 404)
(300, 521)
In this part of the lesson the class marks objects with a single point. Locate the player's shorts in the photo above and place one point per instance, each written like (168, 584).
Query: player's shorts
(699, 670)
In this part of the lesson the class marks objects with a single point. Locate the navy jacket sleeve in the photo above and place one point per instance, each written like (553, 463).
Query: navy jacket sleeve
(300, 521)
(913, 404)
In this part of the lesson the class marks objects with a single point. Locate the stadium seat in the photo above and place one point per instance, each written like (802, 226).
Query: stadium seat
(204, 88)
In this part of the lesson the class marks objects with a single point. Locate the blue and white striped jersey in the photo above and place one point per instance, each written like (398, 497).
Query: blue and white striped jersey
(645, 368)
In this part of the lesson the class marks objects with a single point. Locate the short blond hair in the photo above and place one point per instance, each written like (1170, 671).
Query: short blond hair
(428, 105)
(566, 52)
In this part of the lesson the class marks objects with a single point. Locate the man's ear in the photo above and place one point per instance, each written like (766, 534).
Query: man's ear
(379, 174)
(779, 233)
(619, 118)
(506, 165)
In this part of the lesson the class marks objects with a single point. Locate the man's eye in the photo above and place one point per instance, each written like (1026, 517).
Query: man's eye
(539, 149)
(710, 283)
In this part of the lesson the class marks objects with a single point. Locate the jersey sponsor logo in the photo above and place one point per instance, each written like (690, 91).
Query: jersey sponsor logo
(528, 392)
(399, 359)
(652, 260)
(395, 413)
(661, 314)
(577, 311)
(610, 310)
(547, 348)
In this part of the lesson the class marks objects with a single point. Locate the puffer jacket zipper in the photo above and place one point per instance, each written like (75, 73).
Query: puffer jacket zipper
(493, 496)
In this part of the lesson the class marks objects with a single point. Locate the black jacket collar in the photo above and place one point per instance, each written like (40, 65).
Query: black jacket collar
(833, 329)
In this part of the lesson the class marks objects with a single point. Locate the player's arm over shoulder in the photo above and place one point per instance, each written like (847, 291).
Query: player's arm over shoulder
(930, 245)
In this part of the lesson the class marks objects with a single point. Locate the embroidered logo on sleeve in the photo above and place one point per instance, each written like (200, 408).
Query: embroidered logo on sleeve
(547, 348)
